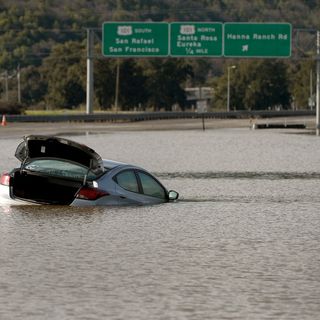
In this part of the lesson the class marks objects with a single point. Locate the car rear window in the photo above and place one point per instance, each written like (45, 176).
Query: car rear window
(60, 168)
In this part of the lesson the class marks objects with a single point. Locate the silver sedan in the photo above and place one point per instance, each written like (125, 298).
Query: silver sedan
(59, 171)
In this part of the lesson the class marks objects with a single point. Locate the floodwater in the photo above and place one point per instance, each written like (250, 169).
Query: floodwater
(243, 242)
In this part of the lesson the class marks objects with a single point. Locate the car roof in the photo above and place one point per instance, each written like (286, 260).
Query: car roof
(110, 164)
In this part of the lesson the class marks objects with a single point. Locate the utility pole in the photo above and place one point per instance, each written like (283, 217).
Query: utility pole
(116, 99)
(6, 84)
(318, 86)
(228, 87)
(89, 108)
(311, 90)
(116, 94)
(19, 86)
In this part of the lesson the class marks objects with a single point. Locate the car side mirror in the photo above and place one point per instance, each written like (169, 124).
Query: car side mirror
(173, 195)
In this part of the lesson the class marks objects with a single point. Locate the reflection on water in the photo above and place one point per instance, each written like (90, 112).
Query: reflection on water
(242, 243)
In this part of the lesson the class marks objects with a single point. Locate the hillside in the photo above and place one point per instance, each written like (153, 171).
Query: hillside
(33, 32)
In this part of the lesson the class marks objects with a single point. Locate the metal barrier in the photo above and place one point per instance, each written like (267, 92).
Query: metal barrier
(145, 116)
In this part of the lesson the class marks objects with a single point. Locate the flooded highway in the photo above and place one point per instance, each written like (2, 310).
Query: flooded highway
(242, 242)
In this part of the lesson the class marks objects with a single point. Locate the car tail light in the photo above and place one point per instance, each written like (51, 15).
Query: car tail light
(89, 193)
(5, 179)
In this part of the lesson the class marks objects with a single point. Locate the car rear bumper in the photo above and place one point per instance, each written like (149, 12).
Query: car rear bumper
(5, 198)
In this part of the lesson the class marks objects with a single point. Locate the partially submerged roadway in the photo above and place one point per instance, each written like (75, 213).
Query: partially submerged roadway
(20, 129)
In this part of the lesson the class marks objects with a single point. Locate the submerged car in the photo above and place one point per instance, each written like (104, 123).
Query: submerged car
(59, 171)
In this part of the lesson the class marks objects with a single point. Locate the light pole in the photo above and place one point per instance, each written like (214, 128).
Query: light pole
(318, 87)
(228, 88)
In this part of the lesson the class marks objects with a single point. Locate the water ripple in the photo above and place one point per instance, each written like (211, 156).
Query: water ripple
(240, 175)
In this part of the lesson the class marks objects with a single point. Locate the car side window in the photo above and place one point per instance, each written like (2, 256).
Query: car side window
(151, 187)
(127, 180)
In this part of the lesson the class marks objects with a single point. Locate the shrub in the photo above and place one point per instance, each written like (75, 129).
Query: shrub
(11, 107)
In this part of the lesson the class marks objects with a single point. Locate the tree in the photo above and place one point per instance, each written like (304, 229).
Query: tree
(301, 75)
(267, 86)
(65, 72)
(132, 85)
(31, 30)
(255, 85)
(149, 83)
(104, 82)
(165, 84)
(33, 86)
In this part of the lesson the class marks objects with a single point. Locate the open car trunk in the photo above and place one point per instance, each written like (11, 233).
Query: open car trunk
(41, 189)
(53, 169)
(37, 147)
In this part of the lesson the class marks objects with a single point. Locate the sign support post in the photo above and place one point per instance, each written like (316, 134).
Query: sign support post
(89, 105)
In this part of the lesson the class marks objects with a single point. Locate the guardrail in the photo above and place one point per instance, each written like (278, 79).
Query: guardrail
(144, 116)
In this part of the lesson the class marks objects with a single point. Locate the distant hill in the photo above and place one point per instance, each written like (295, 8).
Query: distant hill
(31, 32)
(29, 29)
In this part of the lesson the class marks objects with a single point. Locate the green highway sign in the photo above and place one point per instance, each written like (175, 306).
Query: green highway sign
(195, 39)
(135, 39)
(266, 40)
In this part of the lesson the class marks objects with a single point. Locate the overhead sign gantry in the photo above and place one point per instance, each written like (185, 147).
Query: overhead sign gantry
(196, 39)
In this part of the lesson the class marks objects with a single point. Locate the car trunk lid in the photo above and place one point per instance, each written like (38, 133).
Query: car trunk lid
(38, 146)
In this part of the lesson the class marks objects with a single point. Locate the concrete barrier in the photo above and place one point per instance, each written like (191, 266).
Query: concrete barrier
(278, 126)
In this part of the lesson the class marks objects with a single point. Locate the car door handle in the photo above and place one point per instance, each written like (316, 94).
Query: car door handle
(122, 196)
